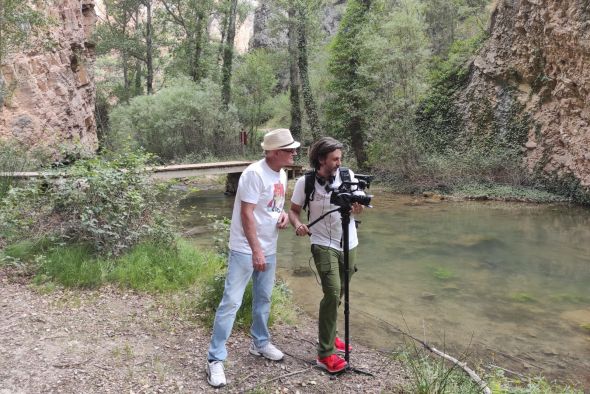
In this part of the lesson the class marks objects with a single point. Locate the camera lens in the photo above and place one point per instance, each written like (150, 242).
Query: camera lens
(363, 200)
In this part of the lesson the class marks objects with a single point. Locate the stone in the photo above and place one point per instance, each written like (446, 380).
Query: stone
(50, 100)
(579, 318)
(544, 43)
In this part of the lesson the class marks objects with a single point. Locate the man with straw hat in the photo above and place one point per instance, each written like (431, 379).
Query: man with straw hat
(257, 216)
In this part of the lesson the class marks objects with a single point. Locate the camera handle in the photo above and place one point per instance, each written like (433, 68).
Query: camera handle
(323, 216)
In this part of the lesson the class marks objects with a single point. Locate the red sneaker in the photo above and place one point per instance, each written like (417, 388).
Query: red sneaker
(332, 363)
(340, 347)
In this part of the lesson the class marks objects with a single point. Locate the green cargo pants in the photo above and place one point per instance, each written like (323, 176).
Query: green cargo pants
(329, 263)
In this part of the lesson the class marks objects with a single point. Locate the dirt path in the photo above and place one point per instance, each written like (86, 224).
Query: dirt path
(114, 341)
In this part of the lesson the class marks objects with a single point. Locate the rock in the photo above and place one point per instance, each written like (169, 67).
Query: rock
(428, 296)
(534, 71)
(53, 101)
(579, 319)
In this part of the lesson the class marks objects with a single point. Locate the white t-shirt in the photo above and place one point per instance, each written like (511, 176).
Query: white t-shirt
(261, 185)
(328, 231)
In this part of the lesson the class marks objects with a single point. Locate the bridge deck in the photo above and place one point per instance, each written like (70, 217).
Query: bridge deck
(175, 171)
(189, 170)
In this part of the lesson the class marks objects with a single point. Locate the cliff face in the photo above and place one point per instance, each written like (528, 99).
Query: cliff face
(51, 92)
(535, 68)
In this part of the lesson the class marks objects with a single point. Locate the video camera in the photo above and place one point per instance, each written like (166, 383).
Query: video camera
(350, 192)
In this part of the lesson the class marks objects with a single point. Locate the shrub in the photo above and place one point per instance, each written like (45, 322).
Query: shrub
(109, 206)
(185, 118)
(14, 158)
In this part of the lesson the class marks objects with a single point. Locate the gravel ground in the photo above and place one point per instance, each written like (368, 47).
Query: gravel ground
(111, 340)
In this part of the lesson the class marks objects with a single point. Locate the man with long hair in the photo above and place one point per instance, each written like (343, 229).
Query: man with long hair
(325, 156)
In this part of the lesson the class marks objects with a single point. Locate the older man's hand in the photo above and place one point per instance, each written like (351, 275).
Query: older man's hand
(283, 221)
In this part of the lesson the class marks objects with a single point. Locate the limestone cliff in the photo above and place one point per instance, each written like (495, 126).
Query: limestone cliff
(536, 62)
(51, 91)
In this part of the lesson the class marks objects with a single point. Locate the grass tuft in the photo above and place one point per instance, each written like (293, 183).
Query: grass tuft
(155, 268)
(72, 266)
(499, 383)
(429, 375)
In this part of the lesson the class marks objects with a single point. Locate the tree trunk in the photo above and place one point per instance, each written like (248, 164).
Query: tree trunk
(126, 81)
(222, 42)
(228, 53)
(138, 89)
(149, 48)
(198, 72)
(308, 100)
(294, 77)
(357, 141)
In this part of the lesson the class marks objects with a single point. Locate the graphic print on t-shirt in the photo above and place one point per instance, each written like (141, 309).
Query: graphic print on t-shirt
(278, 198)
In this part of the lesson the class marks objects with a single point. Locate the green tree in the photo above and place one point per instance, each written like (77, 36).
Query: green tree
(118, 32)
(451, 20)
(228, 53)
(189, 20)
(303, 8)
(396, 53)
(441, 17)
(128, 29)
(347, 106)
(254, 82)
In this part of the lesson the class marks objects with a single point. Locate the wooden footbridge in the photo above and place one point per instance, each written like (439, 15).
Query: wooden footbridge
(233, 169)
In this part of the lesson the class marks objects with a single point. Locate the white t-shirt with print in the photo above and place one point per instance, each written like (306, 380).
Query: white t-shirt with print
(261, 185)
(328, 231)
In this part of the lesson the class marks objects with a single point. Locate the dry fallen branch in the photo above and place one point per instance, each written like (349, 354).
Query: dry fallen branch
(507, 370)
(483, 385)
(286, 375)
(275, 378)
(71, 365)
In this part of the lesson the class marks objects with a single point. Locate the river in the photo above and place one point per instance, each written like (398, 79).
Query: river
(506, 284)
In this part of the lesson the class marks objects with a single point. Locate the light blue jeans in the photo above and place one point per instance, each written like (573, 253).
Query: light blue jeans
(239, 271)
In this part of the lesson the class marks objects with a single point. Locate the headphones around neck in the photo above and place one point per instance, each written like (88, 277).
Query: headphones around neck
(322, 181)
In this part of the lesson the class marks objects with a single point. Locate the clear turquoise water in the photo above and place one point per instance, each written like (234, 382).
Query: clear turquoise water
(505, 283)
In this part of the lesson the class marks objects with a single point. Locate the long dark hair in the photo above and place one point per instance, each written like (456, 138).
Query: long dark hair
(320, 150)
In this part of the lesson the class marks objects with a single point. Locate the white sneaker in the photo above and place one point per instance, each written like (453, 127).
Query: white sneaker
(215, 373)
(267, 351)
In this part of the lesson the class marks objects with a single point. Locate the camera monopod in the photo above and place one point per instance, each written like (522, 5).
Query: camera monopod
(345, 215)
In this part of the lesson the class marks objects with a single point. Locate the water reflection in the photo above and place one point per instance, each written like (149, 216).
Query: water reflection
(509, 282)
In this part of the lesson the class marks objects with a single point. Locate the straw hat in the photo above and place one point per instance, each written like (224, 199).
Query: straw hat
(279, 139)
